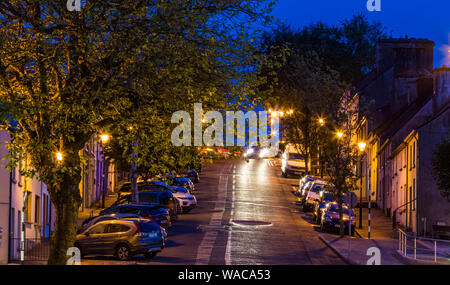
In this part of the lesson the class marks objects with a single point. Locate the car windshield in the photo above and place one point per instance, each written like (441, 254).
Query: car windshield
(295, 156)
(148, 198)
(317, 188)
(181, 190)
(335, 209)
(149, 227)
(328, 197)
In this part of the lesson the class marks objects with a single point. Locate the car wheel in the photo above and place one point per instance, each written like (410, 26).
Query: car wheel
(123, 252)
(150, 254)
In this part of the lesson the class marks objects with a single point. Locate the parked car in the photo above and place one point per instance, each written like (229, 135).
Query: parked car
(193, 175)
(122, 238)
(93, 220)
(312, 194)
(252, 152)
(292, 162)
(325, 198)
(157, 213)
(305, 179)
(330, 218)
(164, 198)
(188, 200)
(185, 182)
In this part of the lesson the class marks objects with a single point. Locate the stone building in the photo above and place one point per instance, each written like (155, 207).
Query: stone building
(407, 116)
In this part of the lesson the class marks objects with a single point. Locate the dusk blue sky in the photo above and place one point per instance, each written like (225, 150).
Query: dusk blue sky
(416, 18)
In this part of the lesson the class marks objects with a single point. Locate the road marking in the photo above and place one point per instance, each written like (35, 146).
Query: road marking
(207, 244)
(228, 246)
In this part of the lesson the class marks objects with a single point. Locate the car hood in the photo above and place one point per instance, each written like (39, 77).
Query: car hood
(296, 163)
(183, 195)
(336, 216)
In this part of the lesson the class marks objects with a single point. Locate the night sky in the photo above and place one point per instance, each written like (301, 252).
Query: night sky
(416, 18)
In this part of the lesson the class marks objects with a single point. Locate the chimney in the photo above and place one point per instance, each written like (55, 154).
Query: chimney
(441, 88)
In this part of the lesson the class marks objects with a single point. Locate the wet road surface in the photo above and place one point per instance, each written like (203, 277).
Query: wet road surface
(247, 214)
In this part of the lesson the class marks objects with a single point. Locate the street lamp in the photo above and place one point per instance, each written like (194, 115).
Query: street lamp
(362, 147)
(321, 122)
(340, 135)
(59, 156)
(104, 139)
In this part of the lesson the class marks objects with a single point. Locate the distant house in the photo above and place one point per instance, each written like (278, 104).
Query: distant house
(407, 117)
(26, 212)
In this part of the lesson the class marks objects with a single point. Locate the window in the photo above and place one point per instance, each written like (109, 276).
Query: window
(129, 210)
(414, 154)
(410, 157)
(117, 228)
(19, 222)
(28, 207)
(414, 195)
(37, 211)
(99, 229)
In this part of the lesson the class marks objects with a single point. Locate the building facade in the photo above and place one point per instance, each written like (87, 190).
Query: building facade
(407, 103)
(27, 214)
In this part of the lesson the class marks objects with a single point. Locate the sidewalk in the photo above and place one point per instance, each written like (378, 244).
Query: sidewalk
(359, 249)
(381, 235)
(95, 209)
(380, 225)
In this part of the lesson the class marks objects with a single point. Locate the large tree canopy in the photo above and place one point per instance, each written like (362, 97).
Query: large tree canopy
(65, 76)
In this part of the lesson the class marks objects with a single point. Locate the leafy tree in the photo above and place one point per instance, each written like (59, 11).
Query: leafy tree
(65, 76)
(441, 167)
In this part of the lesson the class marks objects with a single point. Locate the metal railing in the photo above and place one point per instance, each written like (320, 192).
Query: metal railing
(423, 249)
(30, 249)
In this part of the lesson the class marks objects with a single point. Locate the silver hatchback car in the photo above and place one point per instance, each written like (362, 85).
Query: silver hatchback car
(122, 238)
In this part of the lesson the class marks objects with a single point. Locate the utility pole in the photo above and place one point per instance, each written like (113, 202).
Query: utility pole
(134, 175)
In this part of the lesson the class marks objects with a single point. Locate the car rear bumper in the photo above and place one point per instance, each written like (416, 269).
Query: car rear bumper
(189, 206)
(143, 247)
(294, 172)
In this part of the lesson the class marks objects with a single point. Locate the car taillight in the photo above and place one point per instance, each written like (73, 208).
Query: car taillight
(138, 228)
(151, 216)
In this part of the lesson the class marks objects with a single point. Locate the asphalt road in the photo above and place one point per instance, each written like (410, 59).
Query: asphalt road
(247, 214)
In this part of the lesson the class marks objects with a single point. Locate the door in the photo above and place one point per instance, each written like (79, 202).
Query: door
(93, 242)
(114, 234)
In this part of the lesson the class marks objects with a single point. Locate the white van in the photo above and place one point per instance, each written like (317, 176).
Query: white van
(292, 162)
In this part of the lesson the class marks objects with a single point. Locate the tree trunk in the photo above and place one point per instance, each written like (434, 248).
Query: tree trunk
(67, 203)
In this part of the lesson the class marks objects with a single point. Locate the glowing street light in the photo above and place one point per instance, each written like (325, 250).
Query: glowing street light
(105, 138)
(59, 156)
(340, 135)
(362, 146)
(321, 122)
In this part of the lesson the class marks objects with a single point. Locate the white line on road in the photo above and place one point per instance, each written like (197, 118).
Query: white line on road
(228, 247)
(207, 244)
